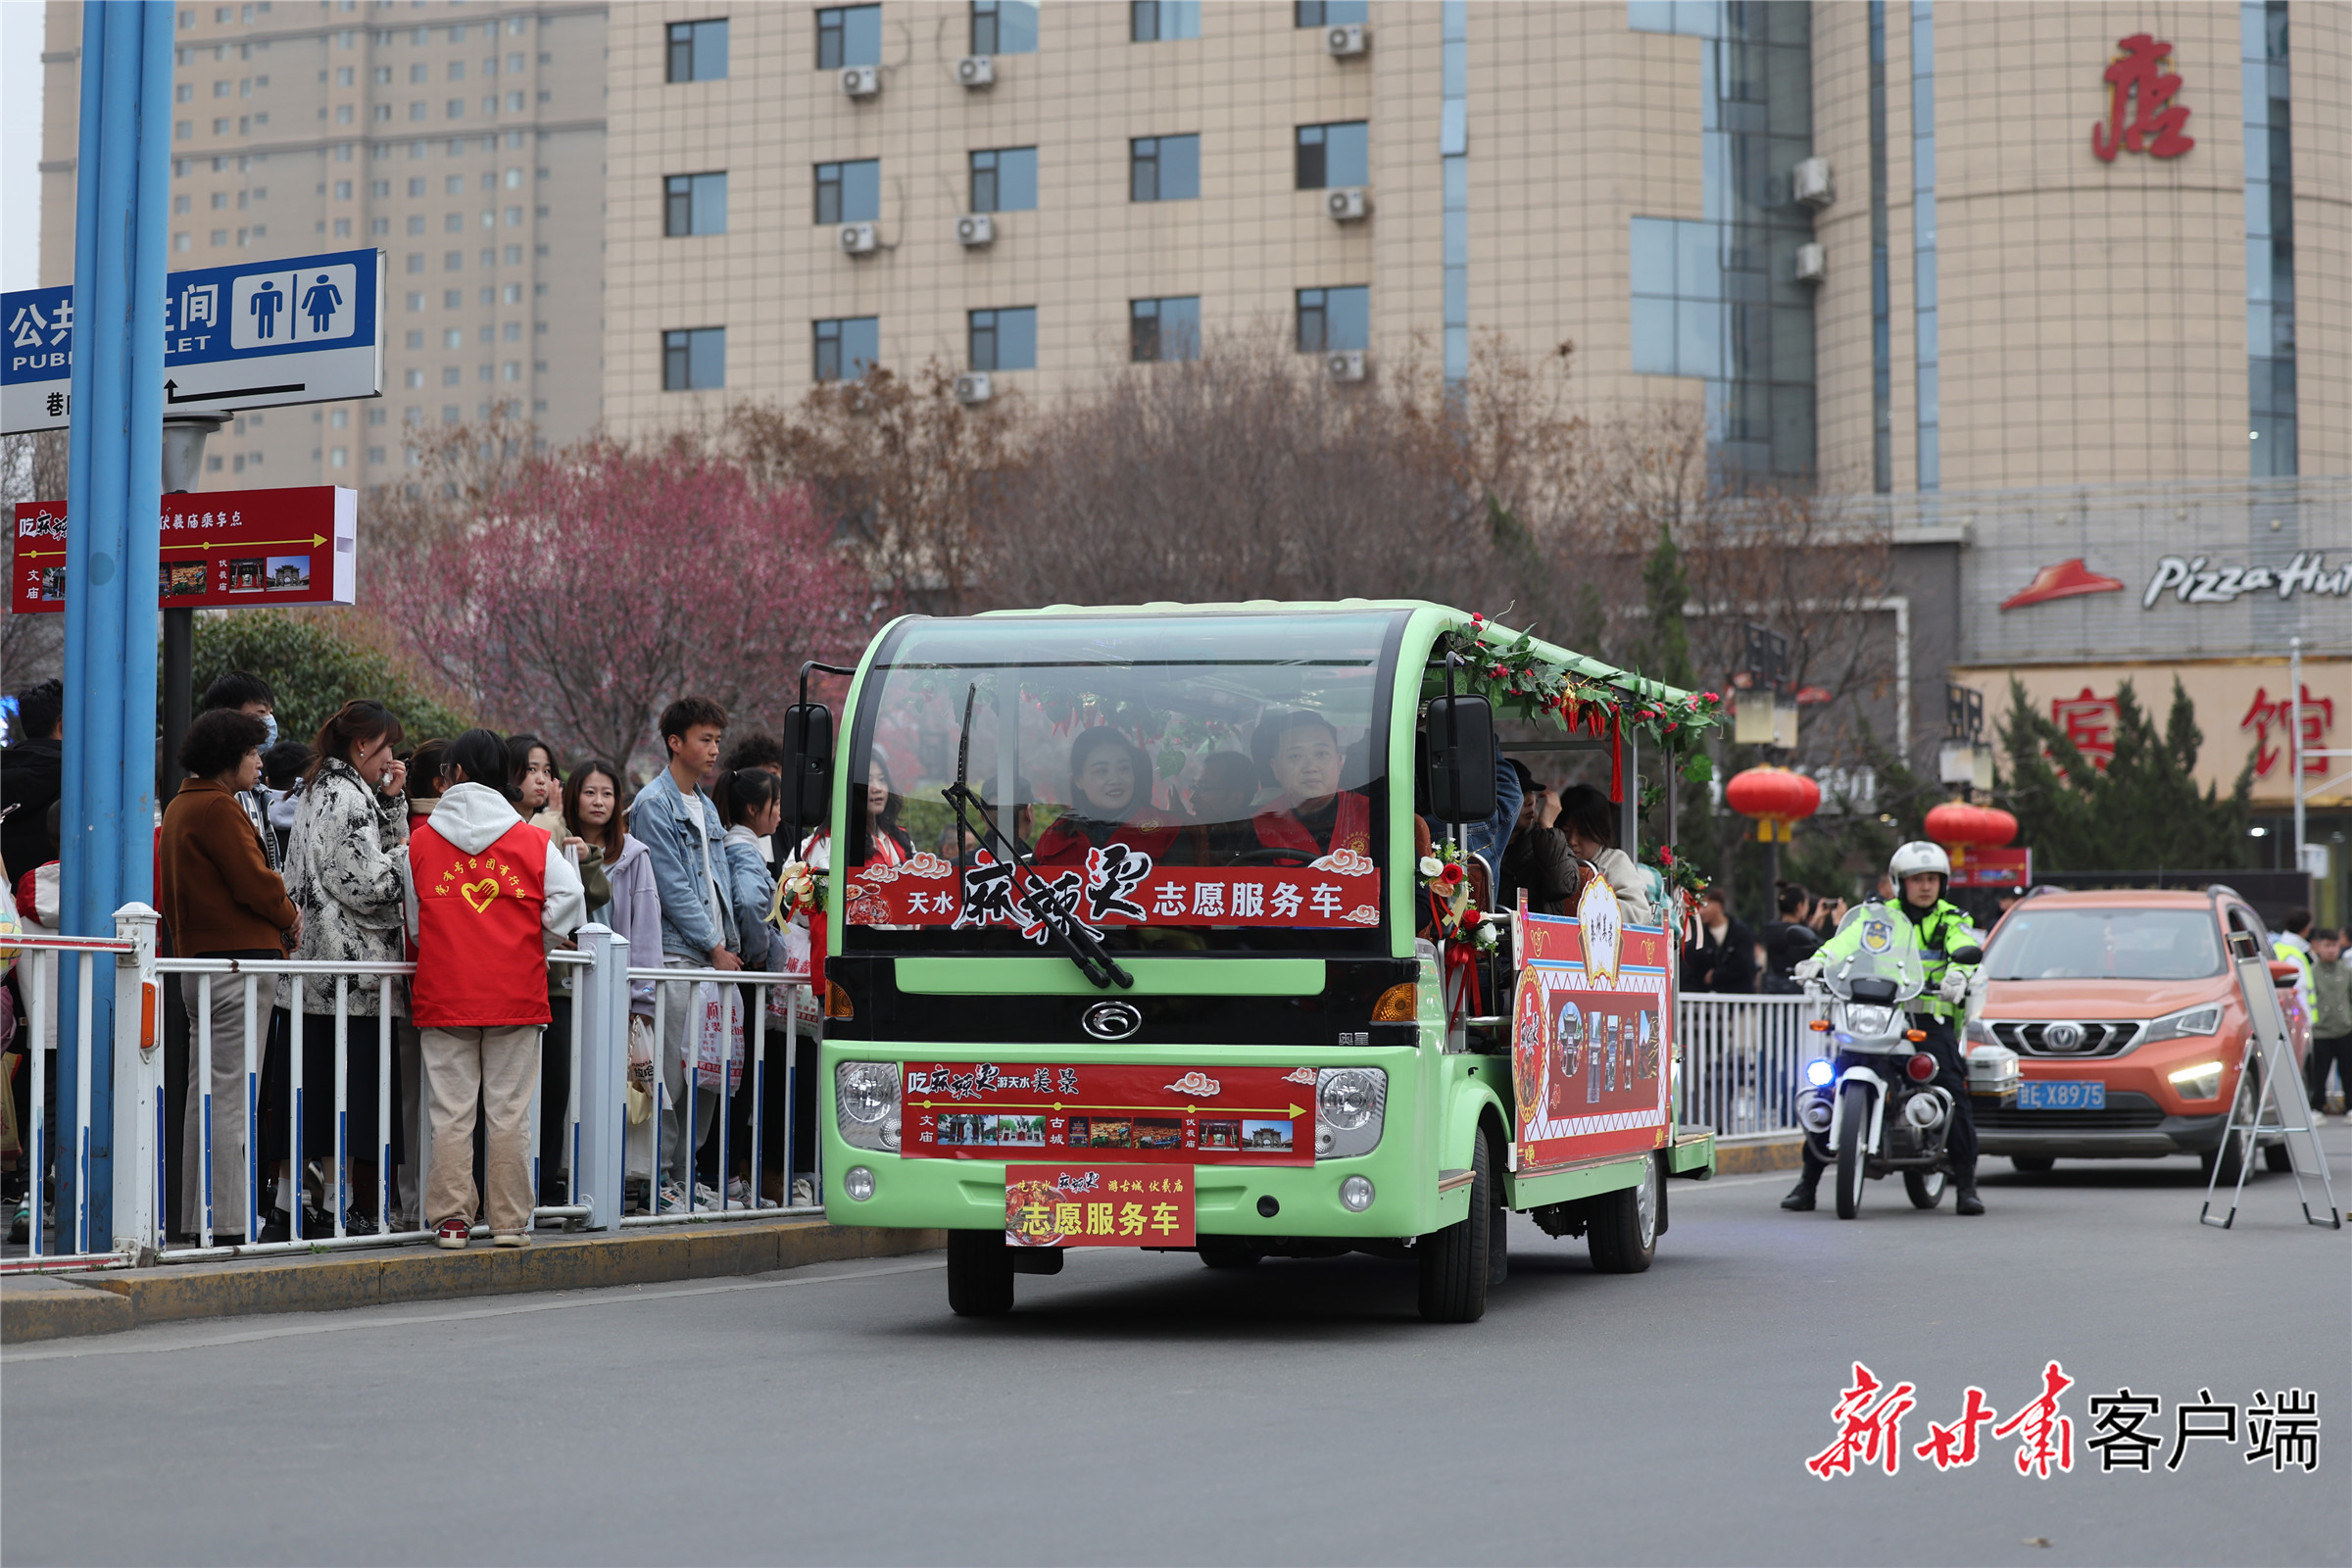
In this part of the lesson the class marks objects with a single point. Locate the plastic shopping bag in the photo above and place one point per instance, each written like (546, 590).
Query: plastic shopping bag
(717, 1037)
(641, 1068)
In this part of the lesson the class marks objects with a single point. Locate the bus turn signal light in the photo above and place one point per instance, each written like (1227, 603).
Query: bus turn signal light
(836, 1002)
(1400, 1004)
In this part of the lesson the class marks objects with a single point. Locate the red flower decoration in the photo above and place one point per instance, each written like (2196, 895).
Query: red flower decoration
(1452, 874)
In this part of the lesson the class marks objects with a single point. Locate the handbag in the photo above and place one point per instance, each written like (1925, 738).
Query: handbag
(718, 1038)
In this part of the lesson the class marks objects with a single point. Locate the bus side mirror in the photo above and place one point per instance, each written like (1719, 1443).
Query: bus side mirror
(808, 763)
(1967, 955)
(1461, 758)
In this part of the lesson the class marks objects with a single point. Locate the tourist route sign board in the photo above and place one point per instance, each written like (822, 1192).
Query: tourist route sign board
(222, 548)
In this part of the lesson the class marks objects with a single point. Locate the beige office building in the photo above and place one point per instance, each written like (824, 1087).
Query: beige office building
(466, 142)
(1993, 303)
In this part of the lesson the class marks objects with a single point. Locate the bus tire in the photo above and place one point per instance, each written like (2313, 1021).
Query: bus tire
(979, 1274)
(1225, 1251)
(1623, 1236)
(1455, 1265)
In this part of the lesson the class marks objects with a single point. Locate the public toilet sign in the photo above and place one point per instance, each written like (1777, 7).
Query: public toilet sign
(253, 335)
(222, 548)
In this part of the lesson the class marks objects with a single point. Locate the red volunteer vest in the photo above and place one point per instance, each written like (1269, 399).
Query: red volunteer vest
(481, 960)
(1067, 844)
(1351, 828)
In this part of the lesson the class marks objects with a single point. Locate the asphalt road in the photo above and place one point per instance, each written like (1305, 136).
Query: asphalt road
(1140, 1408)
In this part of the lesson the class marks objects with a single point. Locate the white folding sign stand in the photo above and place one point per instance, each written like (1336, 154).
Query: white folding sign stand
(2281, 1092)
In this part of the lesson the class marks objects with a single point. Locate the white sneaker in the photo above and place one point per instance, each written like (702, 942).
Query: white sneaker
(804, 1193)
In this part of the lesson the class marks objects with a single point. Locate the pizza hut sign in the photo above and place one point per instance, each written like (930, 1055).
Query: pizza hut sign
(2192, 581)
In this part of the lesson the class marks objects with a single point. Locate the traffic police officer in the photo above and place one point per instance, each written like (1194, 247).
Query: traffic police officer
(1920, 872)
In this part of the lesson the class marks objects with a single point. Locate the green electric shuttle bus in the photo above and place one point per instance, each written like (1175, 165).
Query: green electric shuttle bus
(1151, 926)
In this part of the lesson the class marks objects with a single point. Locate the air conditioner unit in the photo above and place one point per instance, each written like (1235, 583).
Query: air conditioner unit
(1347, 366)
(1812, 265)
(1342, 42)
(1809, 183)
(858, 239)
(972, 387)
(976, 228)
(860, 81)
(1347, 206)
(976, 70)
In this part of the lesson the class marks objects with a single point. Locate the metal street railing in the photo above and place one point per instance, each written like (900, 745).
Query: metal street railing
(1742, 1060)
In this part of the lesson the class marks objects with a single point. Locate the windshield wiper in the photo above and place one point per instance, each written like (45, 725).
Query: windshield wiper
(1084, 948)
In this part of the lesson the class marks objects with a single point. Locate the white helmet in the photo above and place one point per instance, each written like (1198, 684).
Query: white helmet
(1919, 856)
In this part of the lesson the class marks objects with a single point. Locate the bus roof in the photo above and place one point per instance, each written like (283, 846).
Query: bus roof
(1494, 632)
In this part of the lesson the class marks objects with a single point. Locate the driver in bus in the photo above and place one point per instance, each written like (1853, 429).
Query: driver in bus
(1314, 815)
(1110, 803)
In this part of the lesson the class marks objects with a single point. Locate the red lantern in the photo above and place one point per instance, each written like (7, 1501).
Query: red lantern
(1955, 823)
(1775, 796)
(1999, 828)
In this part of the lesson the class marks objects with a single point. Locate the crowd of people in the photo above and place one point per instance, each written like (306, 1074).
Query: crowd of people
(473, 857)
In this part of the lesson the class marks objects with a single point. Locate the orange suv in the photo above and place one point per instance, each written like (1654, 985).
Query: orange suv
(2126, 1018)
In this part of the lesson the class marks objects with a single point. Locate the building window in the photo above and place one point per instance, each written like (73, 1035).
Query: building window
(1005, 340)
(849, 35)
(1338, 154)
(1923, 313)
(1164, 168)
(847, 348)
(1161, 21)
(1332, 12)
(1678, 297)
(848, 193)
(695, 359)
(2271, 424)
(697, 50)
(694, 204)
(1004, 181)
(1333, 319)
(1000, 27)
(1164, 329)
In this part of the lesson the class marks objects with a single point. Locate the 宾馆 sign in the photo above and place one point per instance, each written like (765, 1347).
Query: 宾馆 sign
(252, 335)
(222, 548)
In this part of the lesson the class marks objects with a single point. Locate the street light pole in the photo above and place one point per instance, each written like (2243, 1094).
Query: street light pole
(2294, 741)
(114, 495)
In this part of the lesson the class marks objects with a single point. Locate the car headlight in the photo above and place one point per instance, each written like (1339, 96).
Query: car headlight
(2189, 1023)
(1350, 1106)
(2200, 1082)
(866, 1103)
(1869, 1019)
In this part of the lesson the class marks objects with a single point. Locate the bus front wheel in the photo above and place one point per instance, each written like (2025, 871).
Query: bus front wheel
(979, 1274)
(1455, 1262)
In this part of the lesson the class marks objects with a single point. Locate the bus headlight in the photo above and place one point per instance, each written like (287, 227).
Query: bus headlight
(1356, 1192)
(866, 1103)
(1350, 1104)
(859, 1183)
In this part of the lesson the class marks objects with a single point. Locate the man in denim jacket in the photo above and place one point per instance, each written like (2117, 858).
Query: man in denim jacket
(678, 824)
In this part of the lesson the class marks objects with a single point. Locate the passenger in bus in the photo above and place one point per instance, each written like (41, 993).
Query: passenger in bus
(1221, 801)
(1588, 820)
(886, 842)
(1314, 815)
(1110, 803)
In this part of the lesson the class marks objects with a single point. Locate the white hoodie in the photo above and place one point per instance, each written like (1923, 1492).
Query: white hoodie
(474, 817)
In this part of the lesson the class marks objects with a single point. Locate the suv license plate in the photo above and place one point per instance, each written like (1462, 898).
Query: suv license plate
(2063, 1094)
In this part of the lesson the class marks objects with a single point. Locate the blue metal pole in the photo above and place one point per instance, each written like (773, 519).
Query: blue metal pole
(113, 496)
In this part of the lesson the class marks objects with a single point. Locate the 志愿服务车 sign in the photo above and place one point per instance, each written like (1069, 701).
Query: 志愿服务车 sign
(252, 335)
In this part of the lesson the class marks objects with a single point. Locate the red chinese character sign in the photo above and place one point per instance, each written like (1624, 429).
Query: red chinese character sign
(2267, 713)
(2090, 721)
(221, 550)
(1592, 1034)
(2137, 78)
(1099, 1206)
(1123, 1111)
(1117, 885)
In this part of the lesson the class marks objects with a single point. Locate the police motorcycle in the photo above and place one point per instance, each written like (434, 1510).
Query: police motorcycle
(1871, 1107)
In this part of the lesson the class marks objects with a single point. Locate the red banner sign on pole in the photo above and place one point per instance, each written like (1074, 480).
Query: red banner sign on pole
(221, 550)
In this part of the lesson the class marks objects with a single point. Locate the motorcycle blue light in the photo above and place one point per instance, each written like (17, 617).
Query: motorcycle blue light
(1819, 1073)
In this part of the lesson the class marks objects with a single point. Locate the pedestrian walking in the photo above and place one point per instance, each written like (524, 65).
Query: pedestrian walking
(221, 897)
(484, 894)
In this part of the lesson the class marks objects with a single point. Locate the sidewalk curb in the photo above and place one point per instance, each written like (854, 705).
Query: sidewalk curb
(1762, 1151)
(49, 1308)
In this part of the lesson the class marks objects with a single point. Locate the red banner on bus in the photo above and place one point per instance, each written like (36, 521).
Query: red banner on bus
(1197, 1116)
(1117, 886)
(1099, 1206)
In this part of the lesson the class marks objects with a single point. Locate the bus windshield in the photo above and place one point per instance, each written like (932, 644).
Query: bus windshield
(1182, 782)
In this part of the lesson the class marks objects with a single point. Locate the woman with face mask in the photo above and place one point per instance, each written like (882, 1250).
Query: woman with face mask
(1110, 803)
